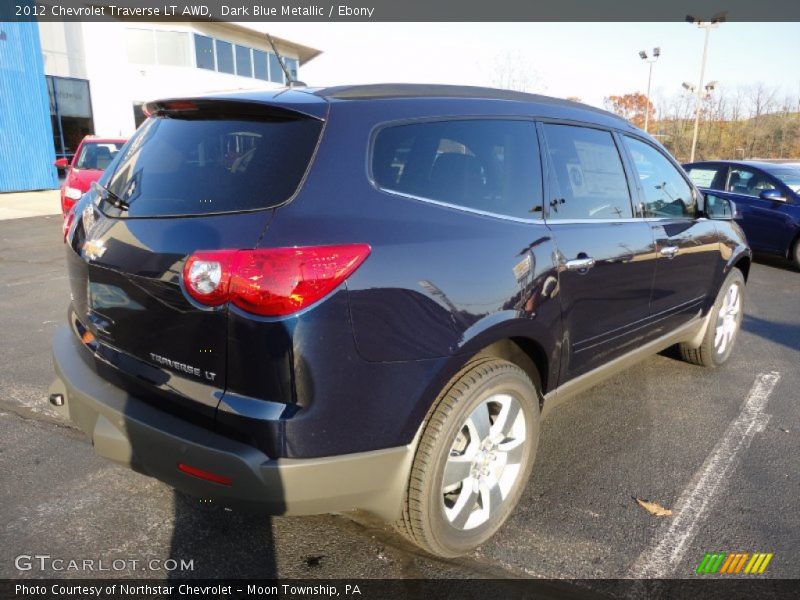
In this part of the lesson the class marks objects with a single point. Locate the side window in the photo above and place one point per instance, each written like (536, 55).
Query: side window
(707, 177)
(747, 182)
(487, 165)
(666, 192)
(587, 169)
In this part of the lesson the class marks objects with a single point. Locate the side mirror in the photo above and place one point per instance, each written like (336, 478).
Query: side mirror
(772, 195)
(61, 163)
(720, 209)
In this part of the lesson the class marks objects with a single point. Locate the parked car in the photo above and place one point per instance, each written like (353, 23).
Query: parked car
(91, 158)
(767, 196)
(366, 297)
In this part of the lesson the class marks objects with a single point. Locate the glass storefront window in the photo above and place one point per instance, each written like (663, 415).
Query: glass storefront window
(172, 48)
(70, 113)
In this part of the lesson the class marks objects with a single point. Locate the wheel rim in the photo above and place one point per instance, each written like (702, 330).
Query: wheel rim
(484, 462)
(728, 319)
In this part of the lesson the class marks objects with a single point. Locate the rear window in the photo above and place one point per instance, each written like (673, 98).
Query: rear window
(487, 165)
(704, 177)
(190, 166)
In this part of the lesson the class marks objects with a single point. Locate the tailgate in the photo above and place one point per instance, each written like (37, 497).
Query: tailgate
(198, 175)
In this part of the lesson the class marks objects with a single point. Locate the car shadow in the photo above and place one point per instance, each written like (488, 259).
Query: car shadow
(773, 260)
(220, 542)
(785, 334)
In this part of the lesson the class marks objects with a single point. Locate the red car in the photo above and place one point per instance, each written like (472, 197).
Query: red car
(91, 158)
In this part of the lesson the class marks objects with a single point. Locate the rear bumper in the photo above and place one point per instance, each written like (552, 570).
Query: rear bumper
(133, 433)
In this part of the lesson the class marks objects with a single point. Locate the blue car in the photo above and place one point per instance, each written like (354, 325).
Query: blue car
(767, 199)
(366, 297)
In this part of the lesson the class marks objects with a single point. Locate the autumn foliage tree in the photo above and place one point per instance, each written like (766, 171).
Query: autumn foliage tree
(748, 121)
(630, 106)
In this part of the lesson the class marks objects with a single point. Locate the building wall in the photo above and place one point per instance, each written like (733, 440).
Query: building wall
(98, 52)
(63, 50)
(26, 135)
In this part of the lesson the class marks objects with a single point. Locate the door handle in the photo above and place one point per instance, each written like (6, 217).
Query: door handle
(580, 264)
(669, 251)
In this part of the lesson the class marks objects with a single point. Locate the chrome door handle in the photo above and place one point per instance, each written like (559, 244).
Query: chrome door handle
(580, 264)
(669, 251)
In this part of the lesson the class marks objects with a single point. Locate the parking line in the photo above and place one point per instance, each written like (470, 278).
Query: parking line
(663, 556)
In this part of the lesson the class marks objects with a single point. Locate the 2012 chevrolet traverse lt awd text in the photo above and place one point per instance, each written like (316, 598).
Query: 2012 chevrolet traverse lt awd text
(366, 297)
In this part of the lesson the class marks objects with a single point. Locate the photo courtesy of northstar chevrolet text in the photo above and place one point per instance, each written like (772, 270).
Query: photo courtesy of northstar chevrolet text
(391, 301)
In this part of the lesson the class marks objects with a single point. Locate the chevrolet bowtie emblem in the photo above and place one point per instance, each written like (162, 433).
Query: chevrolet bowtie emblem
(94, 249)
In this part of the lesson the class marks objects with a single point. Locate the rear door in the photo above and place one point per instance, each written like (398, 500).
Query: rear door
(605, 254)
(200, 178)
(687, 246)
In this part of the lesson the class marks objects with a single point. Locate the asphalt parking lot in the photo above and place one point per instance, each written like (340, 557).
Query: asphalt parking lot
(720, 448)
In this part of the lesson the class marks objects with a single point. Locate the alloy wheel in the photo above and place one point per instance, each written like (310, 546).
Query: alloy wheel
(728, 319)
(484, 462)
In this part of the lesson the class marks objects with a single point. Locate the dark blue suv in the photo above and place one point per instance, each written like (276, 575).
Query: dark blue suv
(767, 198)
(318, 300)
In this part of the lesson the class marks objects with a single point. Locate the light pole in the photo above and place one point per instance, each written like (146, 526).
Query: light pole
(650, 61)
(708, 26)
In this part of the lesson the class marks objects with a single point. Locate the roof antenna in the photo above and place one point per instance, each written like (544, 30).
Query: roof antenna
(290, 81)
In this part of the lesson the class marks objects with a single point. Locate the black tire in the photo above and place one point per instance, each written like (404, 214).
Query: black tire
(708, 354)
(424, 520)
(795, 254)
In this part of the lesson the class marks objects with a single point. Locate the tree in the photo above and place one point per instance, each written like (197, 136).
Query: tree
(511, 70)
(741, 122)
(631, 106)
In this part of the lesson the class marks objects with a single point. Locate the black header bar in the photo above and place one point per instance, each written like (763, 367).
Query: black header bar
(400, 10)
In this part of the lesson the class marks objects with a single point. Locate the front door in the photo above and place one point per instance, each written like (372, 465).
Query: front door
(605, 256)
(766, 223)
(687, 246)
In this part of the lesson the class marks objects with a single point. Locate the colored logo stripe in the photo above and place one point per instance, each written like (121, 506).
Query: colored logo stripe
(758, 563)
(733, 563)
(711, 562)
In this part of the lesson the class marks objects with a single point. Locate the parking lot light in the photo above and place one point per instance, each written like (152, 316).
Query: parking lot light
(708, 26)
(650, 61)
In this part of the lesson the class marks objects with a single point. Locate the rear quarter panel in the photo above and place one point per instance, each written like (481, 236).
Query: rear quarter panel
(438, 278)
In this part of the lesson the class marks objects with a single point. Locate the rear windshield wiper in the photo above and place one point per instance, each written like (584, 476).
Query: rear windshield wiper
(107, 194)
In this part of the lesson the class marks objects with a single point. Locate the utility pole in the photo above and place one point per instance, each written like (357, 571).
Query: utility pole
(708, 26)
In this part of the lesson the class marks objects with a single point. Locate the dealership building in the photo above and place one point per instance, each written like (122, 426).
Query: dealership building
(62, 81)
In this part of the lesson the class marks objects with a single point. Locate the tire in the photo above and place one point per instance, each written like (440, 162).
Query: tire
(723, 326)
(795, 254)
(490, 396)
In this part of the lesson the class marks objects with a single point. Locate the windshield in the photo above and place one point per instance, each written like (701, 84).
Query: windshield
(189, 166)
(97, 155)
(791, 177)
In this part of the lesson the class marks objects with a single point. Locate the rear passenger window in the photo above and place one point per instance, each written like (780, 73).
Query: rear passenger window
(485, 165)
(587, 171)
(666, 192)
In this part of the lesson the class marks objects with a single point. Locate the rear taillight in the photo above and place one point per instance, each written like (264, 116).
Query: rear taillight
(66, 205)
(206, 276)
(67, 224)
(273, 281)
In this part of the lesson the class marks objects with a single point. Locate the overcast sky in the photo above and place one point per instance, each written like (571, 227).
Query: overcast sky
(588, 60)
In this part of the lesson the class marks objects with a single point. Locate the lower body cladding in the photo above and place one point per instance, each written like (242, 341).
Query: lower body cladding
(208, 465)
